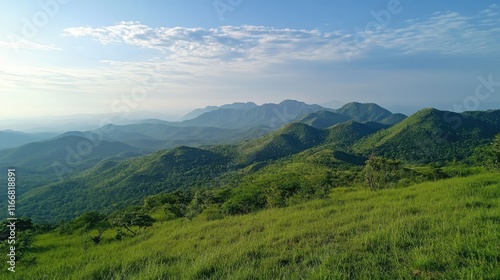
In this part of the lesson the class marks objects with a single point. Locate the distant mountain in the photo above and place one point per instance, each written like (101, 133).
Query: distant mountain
(201, 111)
(43, 163)
(324, 119)
(433, 135)
(74, 152)
(268, 115)
(61, 124)
(12, 139)
(155, 136)
(369, 112)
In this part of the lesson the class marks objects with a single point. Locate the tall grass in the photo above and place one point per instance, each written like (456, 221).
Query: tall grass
(447, 229)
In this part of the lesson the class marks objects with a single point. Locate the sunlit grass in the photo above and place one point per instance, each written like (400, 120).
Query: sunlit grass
(447, 229)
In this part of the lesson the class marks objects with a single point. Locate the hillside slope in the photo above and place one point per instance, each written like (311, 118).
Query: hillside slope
(434, 135)
(112, 185)
(75, 152)
(289, 140)
(441, 230)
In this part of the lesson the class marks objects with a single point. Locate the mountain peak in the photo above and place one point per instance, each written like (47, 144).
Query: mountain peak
(363, 112)
(236, 105)
(291, 101)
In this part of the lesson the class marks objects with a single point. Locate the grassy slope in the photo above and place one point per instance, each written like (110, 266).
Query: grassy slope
(446, 229)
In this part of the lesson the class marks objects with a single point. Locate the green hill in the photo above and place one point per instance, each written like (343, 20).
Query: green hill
(369, 112)
(39, 156)
(344, 135)
(432, 135)
(289, 140)
(112, 185)
(324, 119)
(441, 230)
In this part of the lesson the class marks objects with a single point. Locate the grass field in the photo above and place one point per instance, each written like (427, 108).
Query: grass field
(447, 229)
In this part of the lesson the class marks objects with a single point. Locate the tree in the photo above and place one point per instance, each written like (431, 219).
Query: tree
(488, 155)
(132, 218)
(90, 221)
(381, 172)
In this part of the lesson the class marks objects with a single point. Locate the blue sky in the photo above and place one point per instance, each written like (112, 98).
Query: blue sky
(61, 57)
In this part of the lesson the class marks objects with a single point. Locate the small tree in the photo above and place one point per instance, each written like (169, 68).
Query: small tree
(381, 172)
(91, 221)
(132, 218)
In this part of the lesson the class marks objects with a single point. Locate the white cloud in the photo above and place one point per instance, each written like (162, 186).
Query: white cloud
(443, 33)
(226, 43)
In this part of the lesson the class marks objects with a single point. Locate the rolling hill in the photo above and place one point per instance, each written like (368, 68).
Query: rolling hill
(112, 184)
(324, 119)
(120, 183)
(344, 135)
(77, 153)
(431, 135)
(13, 139)
(40, 164)
(369, 112)
(289, 140)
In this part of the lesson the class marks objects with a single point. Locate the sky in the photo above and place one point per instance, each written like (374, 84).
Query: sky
(64, 57)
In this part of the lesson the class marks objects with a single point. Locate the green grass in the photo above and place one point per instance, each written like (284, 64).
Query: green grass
(447, 229)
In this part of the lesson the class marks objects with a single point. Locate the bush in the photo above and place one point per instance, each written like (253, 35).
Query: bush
(246, 201)
(381, 172)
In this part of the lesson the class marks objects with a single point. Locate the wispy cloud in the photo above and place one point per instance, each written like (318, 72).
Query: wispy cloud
(26, 44)
(447, 33)
(444, 33)
(225, 43)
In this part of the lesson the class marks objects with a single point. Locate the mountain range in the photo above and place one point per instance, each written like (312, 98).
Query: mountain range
(229, 123)
(133, 161)
(12, 139)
